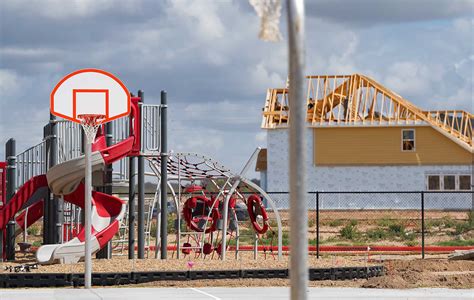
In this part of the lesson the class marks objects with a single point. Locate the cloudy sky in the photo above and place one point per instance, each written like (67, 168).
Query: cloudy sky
(206, 54)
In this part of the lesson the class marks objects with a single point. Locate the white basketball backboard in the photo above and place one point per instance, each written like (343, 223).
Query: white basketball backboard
(90, 91)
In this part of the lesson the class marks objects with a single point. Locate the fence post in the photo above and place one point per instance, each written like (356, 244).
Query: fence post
(422, 224)
(10, 153)
(317, 224)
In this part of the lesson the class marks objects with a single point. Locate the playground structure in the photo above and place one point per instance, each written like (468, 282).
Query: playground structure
(46, 181)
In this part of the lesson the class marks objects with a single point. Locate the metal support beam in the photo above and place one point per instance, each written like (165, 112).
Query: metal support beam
(297, 147)
(164, 177)
(106, 252)
(56, 222)
(131, 207)
(47, 201)
(10, 153)
(141, 199)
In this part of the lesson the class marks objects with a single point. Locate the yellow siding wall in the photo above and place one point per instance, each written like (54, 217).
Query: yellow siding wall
(382, 146)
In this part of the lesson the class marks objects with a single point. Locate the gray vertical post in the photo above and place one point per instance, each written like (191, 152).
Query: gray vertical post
(422, 225)
(56, 211)
(88, 216)
(10, 153)
(164, 177)
(47, 201)
(131, 207)
(106, 252)
(297, 147)
(141, 200)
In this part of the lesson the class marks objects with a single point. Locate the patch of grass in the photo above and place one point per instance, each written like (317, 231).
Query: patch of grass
(377, 234)
(448, 222)
(410, 236)
(386, 222)
(462, 227)
(335, 223)
(311, 223)
(411, 243)
(470, 218)
(396, 229)
(331, 239)
(36, 244)
(456, 243)
(353, 222)
(349, 232)
(33, 230)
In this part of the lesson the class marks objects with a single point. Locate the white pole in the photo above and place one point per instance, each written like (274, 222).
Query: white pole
(297, 146)
(87, 210)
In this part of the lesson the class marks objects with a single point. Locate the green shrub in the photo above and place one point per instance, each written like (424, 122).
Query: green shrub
(396, 229)
(462, 227)
(409, 236)
(349, 232)
(411, 243)
(353, 222)
(377, 234)
(448, 222)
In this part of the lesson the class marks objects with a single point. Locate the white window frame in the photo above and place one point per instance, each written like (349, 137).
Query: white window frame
(428, 182)
(457, 182)
(414, 140)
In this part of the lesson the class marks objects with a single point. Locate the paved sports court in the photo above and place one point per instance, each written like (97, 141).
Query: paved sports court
(231, 293)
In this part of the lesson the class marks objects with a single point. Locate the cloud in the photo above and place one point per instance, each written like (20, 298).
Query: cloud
(206, 54)
(373, 12)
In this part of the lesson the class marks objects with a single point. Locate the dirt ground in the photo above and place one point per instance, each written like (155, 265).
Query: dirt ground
(402, 272)
(246, 261)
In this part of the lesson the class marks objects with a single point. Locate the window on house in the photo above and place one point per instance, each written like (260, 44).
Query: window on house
(434, 183)
(408, 140)
(449, 182)
(465, 182)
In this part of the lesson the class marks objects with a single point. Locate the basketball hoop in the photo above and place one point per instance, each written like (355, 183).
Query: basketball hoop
(90, 123)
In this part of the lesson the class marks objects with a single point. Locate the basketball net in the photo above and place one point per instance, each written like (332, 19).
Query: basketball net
(269, 12)
(90, 123)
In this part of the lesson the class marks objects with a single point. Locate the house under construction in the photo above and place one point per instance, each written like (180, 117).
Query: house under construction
(364, 137)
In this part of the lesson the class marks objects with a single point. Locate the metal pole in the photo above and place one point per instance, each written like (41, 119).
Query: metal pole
(422, 225)
(56, 204)
(297, 147)
(87, 210)
(164, 177)
(131, 207)
(317, 224)
(141, 200)
(10, 153)
(225, 209)
(47, 201)
(106, 252)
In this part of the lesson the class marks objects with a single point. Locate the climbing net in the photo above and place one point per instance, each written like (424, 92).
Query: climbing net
(202, 187)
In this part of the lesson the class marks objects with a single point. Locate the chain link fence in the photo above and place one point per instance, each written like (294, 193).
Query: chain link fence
(389, 221)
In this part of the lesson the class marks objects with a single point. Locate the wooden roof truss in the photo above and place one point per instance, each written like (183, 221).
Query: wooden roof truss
(357, 100)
